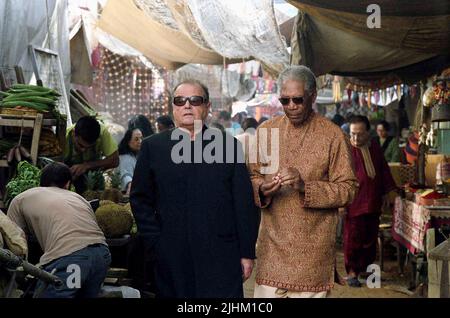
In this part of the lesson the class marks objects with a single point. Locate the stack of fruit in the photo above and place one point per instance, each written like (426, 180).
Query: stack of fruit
(17, 153)
(114, 219)
(95, 183)
(38, 98)
(48, 144)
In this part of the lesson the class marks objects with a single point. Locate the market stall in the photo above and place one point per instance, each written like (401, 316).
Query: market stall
(31, 126)
(421, 218)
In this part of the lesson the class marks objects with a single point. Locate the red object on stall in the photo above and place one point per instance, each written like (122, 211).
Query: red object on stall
(412, 148)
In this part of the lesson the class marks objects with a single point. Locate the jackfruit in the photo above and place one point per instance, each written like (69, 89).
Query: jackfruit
(90, 195)
(114, 220)
(105, 202)
(134, 227)
(113, 195)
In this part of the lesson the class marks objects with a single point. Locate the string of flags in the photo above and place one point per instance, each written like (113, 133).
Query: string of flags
(373, 97)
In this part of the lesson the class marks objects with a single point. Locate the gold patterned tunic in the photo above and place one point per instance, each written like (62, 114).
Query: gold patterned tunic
(296, 243)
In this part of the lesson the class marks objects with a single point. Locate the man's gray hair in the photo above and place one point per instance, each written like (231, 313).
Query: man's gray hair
(299, 73)
(194, 82)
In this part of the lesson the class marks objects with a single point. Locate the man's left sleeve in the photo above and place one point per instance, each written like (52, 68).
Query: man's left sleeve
(342, 185)
(245, 210)
(108, 144)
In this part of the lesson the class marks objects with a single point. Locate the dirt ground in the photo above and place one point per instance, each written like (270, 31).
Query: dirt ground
(393, 285)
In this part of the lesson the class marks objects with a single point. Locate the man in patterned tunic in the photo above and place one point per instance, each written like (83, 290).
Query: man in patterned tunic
(296, 244)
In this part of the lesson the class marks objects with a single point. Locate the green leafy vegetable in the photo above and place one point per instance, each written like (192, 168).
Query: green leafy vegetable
(28, 176)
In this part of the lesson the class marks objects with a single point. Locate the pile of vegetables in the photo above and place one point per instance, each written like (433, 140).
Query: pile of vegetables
(28, 176)
(41, 99)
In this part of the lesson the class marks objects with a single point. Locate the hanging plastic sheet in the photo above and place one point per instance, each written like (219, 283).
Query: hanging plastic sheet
(42, 23)
(241, 29)
(176, 15)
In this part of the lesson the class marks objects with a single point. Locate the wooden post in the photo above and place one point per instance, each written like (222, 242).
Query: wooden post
(61, 133)
(421, 160)
(3, 85)
(36, 136)
(421, 166)
(19, 74)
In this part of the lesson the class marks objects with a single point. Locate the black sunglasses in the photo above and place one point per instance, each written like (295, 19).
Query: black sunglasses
(193, 100)
(286, 100)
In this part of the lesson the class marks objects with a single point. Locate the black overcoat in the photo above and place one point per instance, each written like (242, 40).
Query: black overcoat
(199, 218)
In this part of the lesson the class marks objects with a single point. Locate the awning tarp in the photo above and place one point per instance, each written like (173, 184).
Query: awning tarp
(333, 37)
(161, 44)
(175, 32)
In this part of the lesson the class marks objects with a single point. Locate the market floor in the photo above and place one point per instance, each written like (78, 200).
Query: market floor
(392, 284)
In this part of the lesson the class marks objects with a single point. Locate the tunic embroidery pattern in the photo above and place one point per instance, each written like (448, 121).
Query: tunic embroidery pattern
(296, 243)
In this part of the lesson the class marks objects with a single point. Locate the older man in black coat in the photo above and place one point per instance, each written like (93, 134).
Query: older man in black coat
(198, 215)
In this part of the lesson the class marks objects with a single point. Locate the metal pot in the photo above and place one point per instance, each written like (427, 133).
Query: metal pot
(440, 112)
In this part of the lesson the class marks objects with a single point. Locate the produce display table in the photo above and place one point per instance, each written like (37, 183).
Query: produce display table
(36, 122)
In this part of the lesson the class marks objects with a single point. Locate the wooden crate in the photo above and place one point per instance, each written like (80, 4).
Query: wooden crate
(439, 271)
(24, 112)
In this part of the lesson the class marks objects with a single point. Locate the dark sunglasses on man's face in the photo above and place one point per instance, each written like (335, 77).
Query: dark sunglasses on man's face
(286, 100)
(193, 100)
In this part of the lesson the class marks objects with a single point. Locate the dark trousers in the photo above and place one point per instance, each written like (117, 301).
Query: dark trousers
(141, 262)
(360, 241)
(93, 262)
